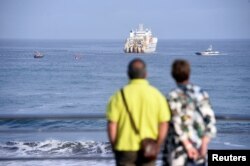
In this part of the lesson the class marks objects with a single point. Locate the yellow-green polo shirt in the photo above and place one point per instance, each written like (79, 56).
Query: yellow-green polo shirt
(148, 108)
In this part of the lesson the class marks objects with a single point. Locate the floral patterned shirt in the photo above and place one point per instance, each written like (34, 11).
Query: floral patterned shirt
(192, 114)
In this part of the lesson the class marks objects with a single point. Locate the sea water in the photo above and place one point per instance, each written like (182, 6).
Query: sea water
(79, 76)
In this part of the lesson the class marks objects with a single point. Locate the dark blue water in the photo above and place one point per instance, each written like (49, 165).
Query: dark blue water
(60, 83)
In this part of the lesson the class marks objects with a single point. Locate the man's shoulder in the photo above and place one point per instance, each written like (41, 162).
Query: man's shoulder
(116, 95)
(155, 91)
(148, 88)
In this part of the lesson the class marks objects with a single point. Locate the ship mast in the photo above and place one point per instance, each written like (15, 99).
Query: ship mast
(140, 27)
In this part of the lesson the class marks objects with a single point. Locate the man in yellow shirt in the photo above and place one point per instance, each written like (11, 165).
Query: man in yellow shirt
(149, 111)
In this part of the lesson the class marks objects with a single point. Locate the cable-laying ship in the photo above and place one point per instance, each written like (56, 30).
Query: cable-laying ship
(140, 41)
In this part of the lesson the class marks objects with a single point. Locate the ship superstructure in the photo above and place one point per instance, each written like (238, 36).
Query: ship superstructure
(140, 41)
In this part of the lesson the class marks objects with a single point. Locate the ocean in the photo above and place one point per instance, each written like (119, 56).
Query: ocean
(79, 76)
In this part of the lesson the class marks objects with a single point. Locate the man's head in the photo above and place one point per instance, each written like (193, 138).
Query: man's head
(181, 70)
(137, 69)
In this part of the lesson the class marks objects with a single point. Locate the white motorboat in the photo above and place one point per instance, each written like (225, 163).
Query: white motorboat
(38, 54)
(140, 41)
(208, 52)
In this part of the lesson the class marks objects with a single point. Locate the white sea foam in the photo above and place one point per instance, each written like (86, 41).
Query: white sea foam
(64, 163)
(59, 163)
(54, 148)
(231, 144)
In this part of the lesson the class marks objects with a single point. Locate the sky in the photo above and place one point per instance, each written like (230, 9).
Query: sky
(113, 19)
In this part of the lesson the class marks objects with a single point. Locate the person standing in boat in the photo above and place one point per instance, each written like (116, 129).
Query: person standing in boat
(193, 121)
(146, 107)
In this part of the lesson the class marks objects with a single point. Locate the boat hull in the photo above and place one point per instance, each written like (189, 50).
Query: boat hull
(147, 48)
(207, 53)
(140, 41)
(38, 56)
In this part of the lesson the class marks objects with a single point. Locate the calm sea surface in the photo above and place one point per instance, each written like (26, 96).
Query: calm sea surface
(80, 76)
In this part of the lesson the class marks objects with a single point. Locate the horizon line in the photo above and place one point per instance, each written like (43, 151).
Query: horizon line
(122, 39)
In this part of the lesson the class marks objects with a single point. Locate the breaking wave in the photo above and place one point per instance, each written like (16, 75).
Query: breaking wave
(54, 148)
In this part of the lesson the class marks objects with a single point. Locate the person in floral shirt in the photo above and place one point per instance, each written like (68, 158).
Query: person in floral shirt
(192, 123)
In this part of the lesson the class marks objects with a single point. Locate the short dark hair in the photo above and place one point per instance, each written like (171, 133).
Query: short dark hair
(181, 70)
(137, 69)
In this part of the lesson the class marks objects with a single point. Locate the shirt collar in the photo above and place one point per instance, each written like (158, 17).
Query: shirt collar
(138, 81)
(184, 86)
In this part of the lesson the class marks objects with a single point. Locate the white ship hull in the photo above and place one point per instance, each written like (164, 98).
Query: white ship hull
(140, 41)
(151, 47)
(148, 48)
(208, 52)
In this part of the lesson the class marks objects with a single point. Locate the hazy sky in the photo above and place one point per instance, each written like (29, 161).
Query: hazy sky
(112, 19)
